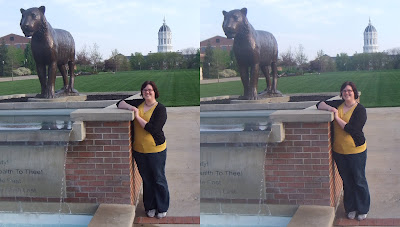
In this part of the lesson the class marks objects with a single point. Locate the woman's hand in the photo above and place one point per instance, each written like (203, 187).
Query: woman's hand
(139, 119)
(335, 112)
(135, 111)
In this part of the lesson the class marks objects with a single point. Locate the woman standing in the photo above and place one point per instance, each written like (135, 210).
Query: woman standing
(150, 148)
(350, 149)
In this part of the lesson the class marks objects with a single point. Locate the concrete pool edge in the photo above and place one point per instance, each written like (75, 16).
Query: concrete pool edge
(118, 215)
(303, 215)
(313, 216)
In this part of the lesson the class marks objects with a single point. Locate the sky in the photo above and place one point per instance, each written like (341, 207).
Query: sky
(126, 25)
(333, 26)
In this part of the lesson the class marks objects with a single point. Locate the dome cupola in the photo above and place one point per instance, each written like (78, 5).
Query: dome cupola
(164, 28)
(370, 27)
(370, 39)
(164, 38)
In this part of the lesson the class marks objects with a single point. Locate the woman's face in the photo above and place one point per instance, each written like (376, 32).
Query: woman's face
(148, 92)
(348, 93)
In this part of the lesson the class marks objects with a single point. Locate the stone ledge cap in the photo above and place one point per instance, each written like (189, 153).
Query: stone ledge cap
(106, 114)
(312, 116)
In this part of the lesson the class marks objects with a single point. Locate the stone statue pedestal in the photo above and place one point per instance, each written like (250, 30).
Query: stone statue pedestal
(76, 98)
(263, 100)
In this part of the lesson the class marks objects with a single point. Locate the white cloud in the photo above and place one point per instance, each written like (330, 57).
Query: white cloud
(369, 11)
(98, 12)
(316, 12)
(163, 11)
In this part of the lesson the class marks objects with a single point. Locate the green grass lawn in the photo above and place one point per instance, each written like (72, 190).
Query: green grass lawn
(378, 88)
(176, 87)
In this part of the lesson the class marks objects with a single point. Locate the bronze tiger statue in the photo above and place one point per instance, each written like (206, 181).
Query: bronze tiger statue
(253, 49)
(51, 49)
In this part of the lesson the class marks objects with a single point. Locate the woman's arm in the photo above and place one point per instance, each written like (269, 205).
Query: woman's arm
(324, 106)
(157, 121)
(339, 120)
(123, 105)
(357, 121)
(140, 120)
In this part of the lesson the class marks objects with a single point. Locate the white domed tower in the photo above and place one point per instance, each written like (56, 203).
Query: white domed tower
(164, 38)
(370, 39)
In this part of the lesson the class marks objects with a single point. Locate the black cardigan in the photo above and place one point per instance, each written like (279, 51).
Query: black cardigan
(156, 122)
(356, 123)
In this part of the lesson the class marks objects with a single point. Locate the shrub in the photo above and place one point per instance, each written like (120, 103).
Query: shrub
(22, 71)
(227, 73)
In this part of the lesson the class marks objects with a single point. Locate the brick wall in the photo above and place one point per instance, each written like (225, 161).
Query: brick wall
(336, 183)
(99, 169)
(300, 170)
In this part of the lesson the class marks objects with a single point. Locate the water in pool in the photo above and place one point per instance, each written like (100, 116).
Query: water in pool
(222, 220)
(43, 220)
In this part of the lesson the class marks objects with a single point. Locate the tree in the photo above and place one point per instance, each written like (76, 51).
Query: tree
(342, 62)
(137, 61)
(189, 51)
(315, 65)
(287, 59)
(208, 69)
(95, 56)
(172, 60)
(394, 58)
(123, 63)
(233, 65)
(221, 59)
(109, 64)
(320, 53)
(196, 60)
(3, 57)
(16, 56)
(113, 57)
(322, 63)
(29, 60)
(301, 58)
(327, 64)
(378, 61)
(82, 57)
(361, 61)
(154, 61)
(116, 62)
(191, 57)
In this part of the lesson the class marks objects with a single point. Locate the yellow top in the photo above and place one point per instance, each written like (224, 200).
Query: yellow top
(143, 140)
(343, 142)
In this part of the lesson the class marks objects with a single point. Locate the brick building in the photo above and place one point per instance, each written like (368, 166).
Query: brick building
(215, 42)
(15, 40)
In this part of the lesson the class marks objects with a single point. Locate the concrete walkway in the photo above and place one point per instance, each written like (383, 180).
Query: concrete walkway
(182, 131)
(29, 77)
(382, 132)
(211, 81)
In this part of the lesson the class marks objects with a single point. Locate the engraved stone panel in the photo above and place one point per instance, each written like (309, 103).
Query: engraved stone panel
(231, 172)
(32, 171)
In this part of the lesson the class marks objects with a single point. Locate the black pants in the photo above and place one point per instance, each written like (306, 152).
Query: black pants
(352, 170)
(155, 188)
